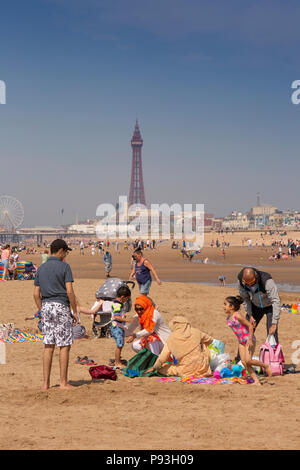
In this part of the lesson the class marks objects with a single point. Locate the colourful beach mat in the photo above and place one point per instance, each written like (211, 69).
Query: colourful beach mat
(22, 338)
(207, 380)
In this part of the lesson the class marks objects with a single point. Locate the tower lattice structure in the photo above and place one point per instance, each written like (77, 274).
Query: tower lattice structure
(137, 191)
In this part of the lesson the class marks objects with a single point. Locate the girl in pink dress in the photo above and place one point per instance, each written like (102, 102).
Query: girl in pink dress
(244, 332)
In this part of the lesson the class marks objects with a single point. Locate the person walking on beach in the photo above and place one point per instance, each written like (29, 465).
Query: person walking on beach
(54, 298)
(142, 272)
(45, 256)
(261, 298)
(5, 255)
(107, 260)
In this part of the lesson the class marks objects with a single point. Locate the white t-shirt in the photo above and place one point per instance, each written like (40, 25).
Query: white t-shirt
(160, 328)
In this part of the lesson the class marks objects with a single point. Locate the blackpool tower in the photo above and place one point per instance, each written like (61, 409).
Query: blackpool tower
(137, 192)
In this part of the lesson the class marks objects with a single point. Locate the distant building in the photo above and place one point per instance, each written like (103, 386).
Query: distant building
(33, 230)
(263, 209)
(82, 228)
(263, 216)
(137, 191)
(236, 221)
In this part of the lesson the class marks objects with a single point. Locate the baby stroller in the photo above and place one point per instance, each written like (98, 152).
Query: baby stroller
(108, 292)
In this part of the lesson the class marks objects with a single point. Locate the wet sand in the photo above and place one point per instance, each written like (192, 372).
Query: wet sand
(171, 266)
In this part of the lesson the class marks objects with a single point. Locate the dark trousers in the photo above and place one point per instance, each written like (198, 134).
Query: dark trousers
(258, 314)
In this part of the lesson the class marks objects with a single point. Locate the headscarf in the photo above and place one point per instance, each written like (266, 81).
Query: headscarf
(183, 338)
(146, 320)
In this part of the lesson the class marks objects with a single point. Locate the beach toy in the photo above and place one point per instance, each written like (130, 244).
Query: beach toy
(294, 308)
(225, 372)
(237, 370)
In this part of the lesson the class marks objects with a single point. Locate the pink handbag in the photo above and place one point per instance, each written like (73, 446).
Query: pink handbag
(273, 356)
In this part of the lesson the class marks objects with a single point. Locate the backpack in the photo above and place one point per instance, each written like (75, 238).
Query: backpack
(108, 290)
(273, 356)
(102, 372)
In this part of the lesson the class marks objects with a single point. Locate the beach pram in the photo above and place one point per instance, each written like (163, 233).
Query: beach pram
(108, 292)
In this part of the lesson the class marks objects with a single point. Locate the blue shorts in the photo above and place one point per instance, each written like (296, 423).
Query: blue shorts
(119, 335)
(144, 288)
(5, 263)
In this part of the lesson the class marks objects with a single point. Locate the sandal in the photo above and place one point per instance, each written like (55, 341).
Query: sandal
(83, 360)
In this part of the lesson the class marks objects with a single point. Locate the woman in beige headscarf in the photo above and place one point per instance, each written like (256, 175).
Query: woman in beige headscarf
(189, 347)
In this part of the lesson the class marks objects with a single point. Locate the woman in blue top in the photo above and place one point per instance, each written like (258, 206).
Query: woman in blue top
(142, 272)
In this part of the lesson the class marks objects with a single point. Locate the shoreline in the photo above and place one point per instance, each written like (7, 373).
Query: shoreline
(288, 288)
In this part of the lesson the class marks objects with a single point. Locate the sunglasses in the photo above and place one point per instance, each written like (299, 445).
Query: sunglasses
(250, 283)
(139, 309)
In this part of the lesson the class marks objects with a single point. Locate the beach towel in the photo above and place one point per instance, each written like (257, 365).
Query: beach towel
(19, 337)
(207, 380)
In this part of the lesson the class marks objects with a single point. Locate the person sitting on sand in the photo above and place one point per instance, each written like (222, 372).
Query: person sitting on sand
(12, 268)
(189, 349)
(243, 330)
(153, 330)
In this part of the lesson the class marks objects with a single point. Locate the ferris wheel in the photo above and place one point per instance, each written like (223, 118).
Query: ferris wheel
(11, 213)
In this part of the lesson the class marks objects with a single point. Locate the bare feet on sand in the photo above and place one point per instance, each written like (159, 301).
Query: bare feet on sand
(66, 387)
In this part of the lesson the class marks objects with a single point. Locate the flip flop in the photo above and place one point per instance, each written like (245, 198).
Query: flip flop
(78, 360)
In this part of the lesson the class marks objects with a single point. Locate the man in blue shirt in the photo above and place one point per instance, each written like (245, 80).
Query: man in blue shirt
(54, 297)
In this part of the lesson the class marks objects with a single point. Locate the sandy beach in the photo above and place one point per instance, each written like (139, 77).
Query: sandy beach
(171, 415)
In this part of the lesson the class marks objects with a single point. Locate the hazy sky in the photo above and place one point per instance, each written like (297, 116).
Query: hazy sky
(210, 82)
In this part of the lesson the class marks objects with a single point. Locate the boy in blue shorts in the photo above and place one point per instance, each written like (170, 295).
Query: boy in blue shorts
(118, 316)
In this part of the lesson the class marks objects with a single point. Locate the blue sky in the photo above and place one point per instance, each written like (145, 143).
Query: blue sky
(209, 81)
